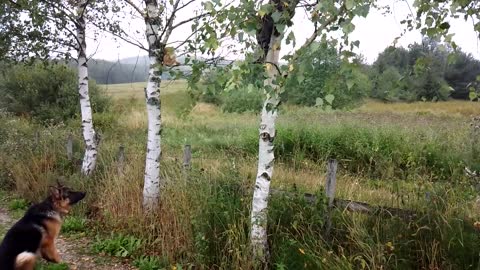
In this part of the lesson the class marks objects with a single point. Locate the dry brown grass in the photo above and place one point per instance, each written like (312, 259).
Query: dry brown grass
(450, 108)
(167, 231)
(136, 90)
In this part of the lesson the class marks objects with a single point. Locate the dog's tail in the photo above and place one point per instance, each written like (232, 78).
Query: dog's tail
(25, 260)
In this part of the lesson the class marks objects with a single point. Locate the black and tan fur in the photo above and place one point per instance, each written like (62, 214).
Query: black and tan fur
(35, 233)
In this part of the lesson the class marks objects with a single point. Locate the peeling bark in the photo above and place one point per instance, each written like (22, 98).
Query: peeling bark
(89, 136)
(266, 157)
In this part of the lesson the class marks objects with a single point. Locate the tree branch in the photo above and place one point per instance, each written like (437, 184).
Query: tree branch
(191, 19)
(139, 10)
(138, 44)
(15, 4)
(167, 31)
(84, 8)
(317, 32)
(185, 5)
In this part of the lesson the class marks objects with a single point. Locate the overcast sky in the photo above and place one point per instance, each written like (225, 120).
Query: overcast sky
(375, 33)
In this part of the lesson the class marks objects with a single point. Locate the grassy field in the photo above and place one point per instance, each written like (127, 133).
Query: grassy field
(136, 90)
(399, 155)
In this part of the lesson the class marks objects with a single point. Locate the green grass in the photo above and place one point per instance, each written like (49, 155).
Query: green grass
(150, 263)
(17, 204)
(74, 224)
(117, 245)
(401, 155)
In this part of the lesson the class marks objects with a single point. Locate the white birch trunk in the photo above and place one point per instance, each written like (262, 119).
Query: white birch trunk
(90, 157)
(152, 181)
(265, 157)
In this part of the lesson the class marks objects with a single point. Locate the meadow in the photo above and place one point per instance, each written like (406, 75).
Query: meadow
(404, 155)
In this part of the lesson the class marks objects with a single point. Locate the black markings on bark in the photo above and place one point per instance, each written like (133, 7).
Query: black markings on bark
(266, 176)
(266, 137)
(153, 101)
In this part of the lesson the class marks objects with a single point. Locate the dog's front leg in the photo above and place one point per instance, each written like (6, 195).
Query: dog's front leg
(48, 249)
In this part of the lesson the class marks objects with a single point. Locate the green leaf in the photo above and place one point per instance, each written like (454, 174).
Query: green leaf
(318, 102)
(348, 28)
(349, 4)
(276, 16)
(329, 98)
(208, 6)
(451, 58)
(350, 84)
(300, 78)
(264, 10)
(291, 38)
(444, 26)
(472, 95)
(478, 78)
(240, 36)
(429, 21)
(280, 27)
(314, 46)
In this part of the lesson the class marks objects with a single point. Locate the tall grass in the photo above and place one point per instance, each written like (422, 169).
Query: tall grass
(398, 160)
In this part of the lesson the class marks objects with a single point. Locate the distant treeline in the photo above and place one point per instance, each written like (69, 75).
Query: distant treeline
(106, 72)
(424, 71)
(126, 70)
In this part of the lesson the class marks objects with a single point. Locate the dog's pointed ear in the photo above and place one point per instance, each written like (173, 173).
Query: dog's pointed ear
(55, 192)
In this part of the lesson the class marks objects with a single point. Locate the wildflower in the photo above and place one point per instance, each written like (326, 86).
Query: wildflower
(389, 247)
(476, 225)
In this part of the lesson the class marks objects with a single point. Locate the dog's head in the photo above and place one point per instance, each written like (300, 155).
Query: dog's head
(64, 197)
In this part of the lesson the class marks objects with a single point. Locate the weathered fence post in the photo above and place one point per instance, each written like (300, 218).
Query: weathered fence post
(330, 187)
(69, 147)
(187, 157)
(36, 142)
(121, 159)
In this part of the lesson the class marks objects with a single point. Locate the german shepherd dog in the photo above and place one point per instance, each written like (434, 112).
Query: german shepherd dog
(35, 233)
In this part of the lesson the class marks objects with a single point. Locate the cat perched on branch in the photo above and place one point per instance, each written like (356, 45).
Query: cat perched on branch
(285, 10)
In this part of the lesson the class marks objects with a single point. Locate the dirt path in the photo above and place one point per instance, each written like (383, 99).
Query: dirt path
(74, 251)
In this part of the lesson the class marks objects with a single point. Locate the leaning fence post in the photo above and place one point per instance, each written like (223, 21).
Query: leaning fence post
(121, 159)
(69, 147)
(187, 157)
(36, 140)
(330, 187)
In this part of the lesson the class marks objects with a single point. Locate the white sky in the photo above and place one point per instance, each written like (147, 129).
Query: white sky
(375, 33)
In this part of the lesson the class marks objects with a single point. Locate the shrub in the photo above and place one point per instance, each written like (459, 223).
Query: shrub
(18, 204)
(150, 263)
(73, 224)
(46, 92)
(348, 87)
(118, 245)
(248, 99)
(296, 228)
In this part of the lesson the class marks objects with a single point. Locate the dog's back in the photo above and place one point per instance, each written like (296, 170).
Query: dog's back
(21, 243)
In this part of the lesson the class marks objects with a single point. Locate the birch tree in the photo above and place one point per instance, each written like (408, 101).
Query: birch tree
(55, 28)
(161, 19)
(270, 22)
(89, 135)
(267, 26)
